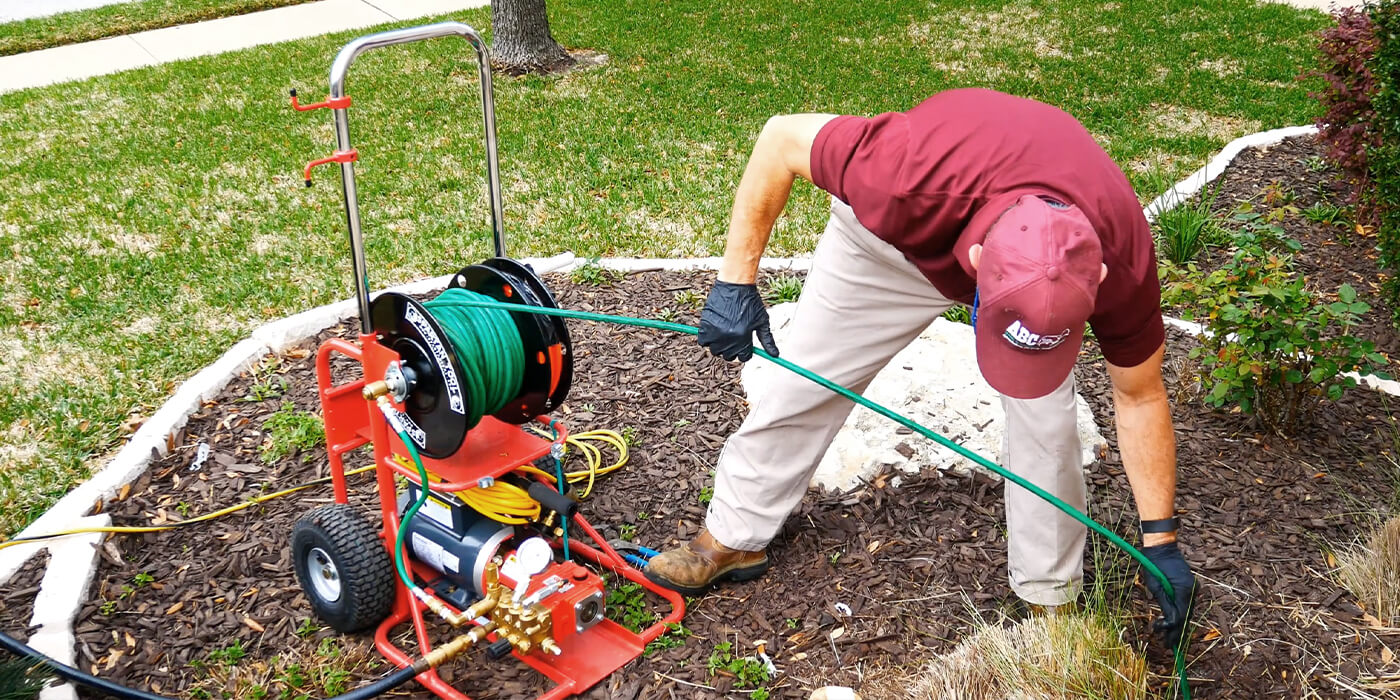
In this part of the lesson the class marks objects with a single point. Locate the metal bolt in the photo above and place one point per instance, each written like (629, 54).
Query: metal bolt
(485, 482)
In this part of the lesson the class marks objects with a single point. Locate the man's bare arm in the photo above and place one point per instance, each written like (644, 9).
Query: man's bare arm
(782, 152)
(1146, 440)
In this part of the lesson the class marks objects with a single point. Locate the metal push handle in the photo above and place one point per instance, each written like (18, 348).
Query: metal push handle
(339, 68)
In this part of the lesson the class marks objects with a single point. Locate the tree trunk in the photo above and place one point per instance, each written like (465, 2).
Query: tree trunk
(521, 41)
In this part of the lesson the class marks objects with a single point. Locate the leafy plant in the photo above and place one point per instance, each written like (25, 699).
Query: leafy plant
(959, 314)
(627, 606)
(594, 274)
(627, 531)
(783, 288)
(1271, 347)
(668, 315)
(707, 494)
(108, 607)
(748, 672)
(307, 628)
(1184, 231)
(1260, 231)
(289, 431)
(142, 579)
(630, 436)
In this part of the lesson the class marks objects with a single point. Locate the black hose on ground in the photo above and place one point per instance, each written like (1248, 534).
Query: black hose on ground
(73, 675)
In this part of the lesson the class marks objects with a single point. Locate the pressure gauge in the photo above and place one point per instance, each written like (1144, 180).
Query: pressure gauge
(534, 555)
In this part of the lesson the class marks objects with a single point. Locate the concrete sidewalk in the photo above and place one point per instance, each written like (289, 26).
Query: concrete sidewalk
(78, 61)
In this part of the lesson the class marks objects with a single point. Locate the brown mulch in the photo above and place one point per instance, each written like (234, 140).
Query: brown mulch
(17, 600)
(914, 558)
(1282, 181)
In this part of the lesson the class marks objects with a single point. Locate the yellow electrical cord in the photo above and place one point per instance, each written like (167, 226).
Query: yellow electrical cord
(197, 519)
(507, 503)
(503, 502)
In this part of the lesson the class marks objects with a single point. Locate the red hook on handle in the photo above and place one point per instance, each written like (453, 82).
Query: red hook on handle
(349, 156)
(333, 103)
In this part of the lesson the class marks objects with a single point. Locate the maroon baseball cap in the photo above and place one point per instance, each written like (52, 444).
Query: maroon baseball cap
(1036, 284)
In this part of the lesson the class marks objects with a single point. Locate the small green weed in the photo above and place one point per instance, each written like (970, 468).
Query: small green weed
(748, 672)
(707, 494)
(267, 383)
(142, 579)
(627, 531)
(668, 315)
(307, 628)
(108, 607)
(627, 606)
(689, 298)
(630, 436)
(1315, 164)
(593, 274)
(1276, 194)
(1326, 213)
(792, 623)
(290, 431)
(183, 508)
(959, 314)
(229, 655)
(783, 288)
(673, 637)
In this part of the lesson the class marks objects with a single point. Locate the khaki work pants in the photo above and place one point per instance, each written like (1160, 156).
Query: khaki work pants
(862, 303)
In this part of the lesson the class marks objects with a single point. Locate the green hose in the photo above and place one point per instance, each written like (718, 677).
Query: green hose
(483, 302)
(489, 345)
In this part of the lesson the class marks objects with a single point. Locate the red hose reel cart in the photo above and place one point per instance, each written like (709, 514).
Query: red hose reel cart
(519, 589)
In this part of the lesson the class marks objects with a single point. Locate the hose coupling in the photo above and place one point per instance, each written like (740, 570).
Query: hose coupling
(454, 648)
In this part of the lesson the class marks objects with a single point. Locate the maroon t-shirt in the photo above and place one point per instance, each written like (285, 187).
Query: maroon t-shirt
(922, 179)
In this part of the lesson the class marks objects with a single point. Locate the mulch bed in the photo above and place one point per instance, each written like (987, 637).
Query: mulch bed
(914, 558)
(1282, 181)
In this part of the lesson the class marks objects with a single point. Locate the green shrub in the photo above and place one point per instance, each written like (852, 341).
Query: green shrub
(1271, 347)
(1383, 159)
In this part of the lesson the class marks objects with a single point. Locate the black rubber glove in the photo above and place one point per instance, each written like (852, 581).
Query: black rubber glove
(1175, 608)
(733, 313)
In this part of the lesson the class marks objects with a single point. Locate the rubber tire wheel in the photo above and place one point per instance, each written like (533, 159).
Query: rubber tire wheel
(367, 579)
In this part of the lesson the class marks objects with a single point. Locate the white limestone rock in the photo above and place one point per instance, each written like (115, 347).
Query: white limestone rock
(933, 381)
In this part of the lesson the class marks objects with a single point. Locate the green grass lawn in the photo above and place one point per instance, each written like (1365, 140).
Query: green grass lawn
(150, 219)
(115, 20)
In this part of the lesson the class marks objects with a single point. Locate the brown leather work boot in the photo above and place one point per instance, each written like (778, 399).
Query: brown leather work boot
(694, 567)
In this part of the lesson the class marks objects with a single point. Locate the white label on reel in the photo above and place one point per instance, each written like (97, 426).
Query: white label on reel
(415, 432)
(449, 377)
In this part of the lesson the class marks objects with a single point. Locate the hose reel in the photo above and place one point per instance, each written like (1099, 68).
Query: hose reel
(432, 380)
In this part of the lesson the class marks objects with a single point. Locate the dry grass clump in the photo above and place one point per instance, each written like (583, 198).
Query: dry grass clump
(1044, 658)
(1372, 571)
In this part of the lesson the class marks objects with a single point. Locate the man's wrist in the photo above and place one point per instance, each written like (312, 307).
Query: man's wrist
(1152, 539)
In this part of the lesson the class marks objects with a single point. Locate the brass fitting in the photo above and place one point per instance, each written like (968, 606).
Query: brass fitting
(549, 646)
(480, 608)
(454, 648)
(374, 390)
